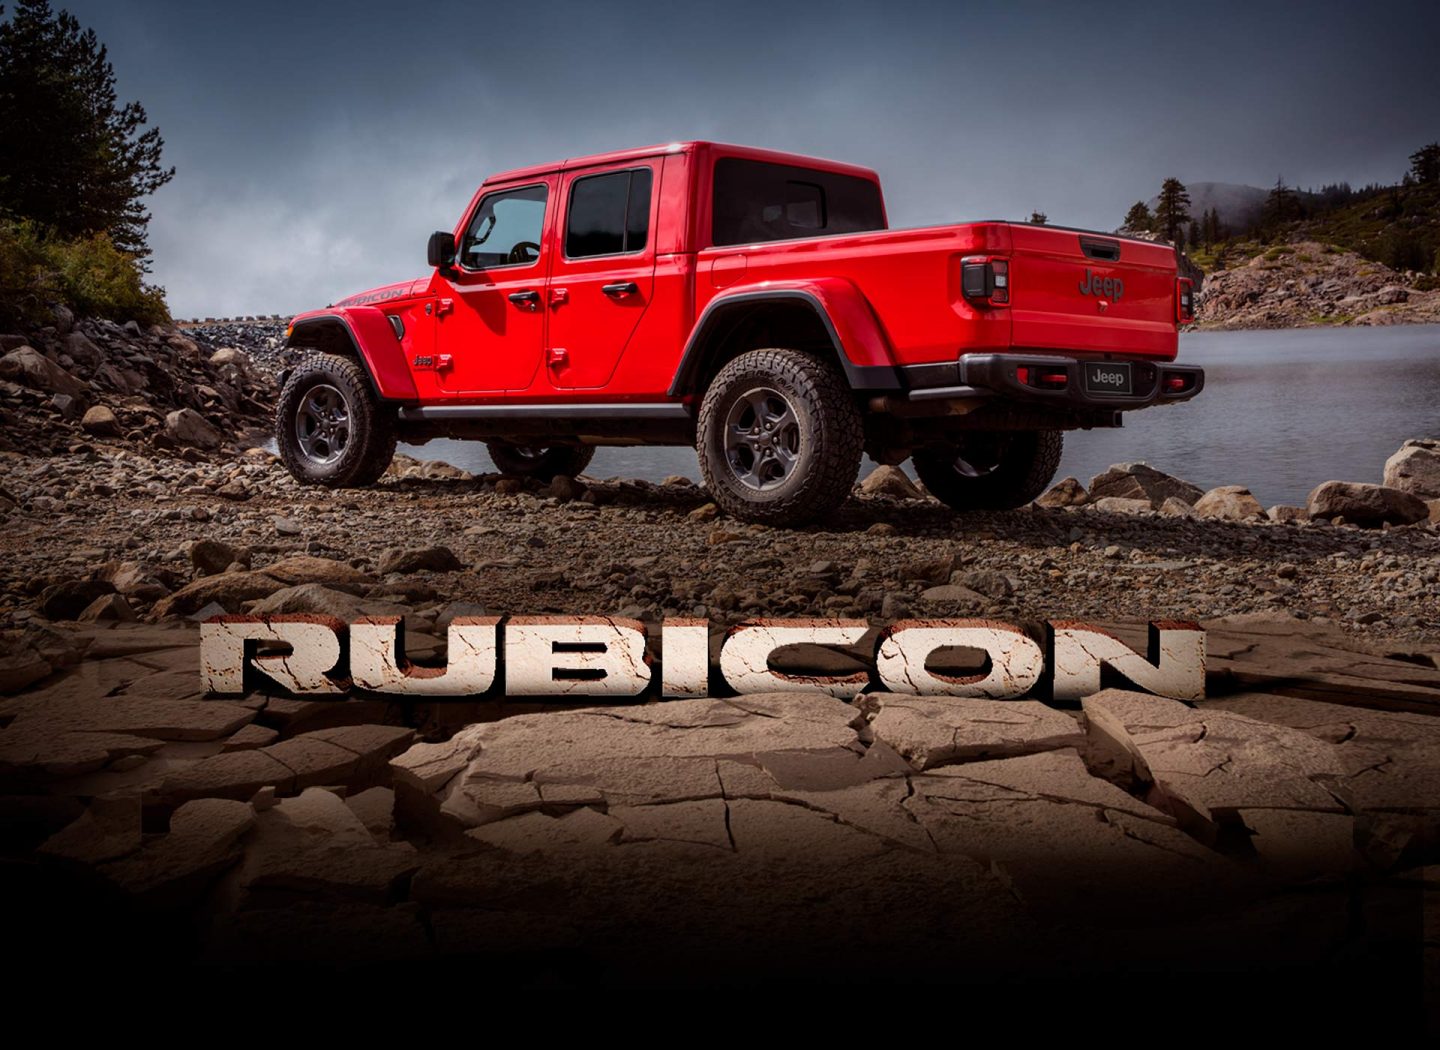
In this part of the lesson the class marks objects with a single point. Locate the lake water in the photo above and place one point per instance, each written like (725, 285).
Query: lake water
(1281, 412)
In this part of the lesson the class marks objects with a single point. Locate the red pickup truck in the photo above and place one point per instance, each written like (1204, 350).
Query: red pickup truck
(755, 305)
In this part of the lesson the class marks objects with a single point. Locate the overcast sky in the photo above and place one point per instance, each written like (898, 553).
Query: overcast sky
(318, 144)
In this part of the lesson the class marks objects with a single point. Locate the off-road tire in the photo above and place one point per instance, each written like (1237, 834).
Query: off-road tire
(543, 464)
(1025, 462)
(369, 445)
(825, 443)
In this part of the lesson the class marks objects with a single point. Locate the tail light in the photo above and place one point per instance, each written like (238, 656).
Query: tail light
(1184, 300)
(985, 279)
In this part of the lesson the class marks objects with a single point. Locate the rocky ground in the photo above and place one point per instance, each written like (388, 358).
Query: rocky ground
(1308, 284)
(1284, 823)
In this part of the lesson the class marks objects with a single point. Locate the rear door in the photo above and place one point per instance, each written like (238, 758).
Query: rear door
(1090, 292)
(602, 277)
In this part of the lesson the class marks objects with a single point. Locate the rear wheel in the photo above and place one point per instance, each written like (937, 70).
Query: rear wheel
(779, 437)
(994, 470)
(330, 428)
(535, 461)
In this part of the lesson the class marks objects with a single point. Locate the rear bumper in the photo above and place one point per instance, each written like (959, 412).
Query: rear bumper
(1010, 376)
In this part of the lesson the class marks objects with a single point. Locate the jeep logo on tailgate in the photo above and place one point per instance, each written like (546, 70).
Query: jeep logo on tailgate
(1106, 287)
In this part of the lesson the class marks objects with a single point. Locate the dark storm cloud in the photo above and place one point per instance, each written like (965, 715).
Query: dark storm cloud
(318, 143)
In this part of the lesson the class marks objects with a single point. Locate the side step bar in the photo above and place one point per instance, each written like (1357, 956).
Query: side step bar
(664, 410)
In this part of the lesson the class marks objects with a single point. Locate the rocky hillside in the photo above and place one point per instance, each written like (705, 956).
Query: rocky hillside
(1307, 284)
(158, 388)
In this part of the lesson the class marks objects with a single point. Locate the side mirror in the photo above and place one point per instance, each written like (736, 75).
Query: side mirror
(440, 252)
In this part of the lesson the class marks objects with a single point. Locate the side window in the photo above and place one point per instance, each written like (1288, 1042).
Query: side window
(506, 229)
(756, 201)
(609, 214)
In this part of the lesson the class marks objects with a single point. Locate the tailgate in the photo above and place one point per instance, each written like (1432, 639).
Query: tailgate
(1077, 291)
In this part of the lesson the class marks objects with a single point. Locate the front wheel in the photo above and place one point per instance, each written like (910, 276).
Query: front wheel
(779, 437)
(994, 470)
(330, 428)
(543, 464)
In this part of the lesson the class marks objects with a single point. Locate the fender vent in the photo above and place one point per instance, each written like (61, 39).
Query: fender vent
(1108, 251)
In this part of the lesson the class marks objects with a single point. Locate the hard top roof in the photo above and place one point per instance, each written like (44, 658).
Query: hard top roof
(715, 148)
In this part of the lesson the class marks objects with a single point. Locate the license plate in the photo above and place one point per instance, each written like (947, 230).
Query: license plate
(1108, 377)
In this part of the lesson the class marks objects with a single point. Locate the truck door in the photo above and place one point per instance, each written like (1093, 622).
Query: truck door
(602, 278)
(491, 325)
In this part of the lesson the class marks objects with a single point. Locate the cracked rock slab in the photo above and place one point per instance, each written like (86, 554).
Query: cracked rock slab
(930, 732)
(315, 844)
(1033, 817)
(627, 756)
(204, 838)
(1205, 766)
(352, 755)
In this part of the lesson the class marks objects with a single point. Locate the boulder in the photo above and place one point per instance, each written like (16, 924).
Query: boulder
(954, 594)
(1229, 502)
(28, 367)
(107, 608)
(422, 559)
(403, 466)
(1068, 492)
(211, 557)
(1282, 513)
(185, 426)
(1142, 481)
(564, 488)
(1415, 468)
(101, 422)
(994, 584)
(1176, 508)
(311, 598)
(229, 355)
(68, 599)
(306, 568)
(886, 480)
(1122, 505)
(83, 351)
(228, 591)
(1366, 505)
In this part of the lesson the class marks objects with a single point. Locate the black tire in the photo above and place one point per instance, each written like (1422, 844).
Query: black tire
(543, 464)
(330, 427)
(991, 470)
(799, 467)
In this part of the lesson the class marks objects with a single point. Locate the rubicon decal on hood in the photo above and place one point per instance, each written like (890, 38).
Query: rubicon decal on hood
(379, 295)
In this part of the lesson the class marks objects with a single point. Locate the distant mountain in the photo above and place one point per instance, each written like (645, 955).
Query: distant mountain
(1239, 205)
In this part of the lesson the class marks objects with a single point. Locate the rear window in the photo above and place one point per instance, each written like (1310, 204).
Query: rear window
(756, 201)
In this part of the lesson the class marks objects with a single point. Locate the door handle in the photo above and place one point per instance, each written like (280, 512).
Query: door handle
(524, 298)
(620, 289)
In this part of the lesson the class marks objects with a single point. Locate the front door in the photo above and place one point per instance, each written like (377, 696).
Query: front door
(603, 276)
(491, 327)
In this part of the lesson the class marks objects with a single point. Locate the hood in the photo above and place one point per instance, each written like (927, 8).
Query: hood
(384, 294)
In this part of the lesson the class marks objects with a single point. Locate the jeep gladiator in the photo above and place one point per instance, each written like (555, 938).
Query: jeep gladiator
(752, 304)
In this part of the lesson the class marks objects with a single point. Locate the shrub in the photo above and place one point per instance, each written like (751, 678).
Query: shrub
(89, 275)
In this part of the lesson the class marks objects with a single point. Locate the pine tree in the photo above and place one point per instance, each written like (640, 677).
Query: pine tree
(72, 159)
(1194, 235)
(1039, 218)
(1425, 164)
(1282, 205)
(1172, 211)
(1138, 218)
